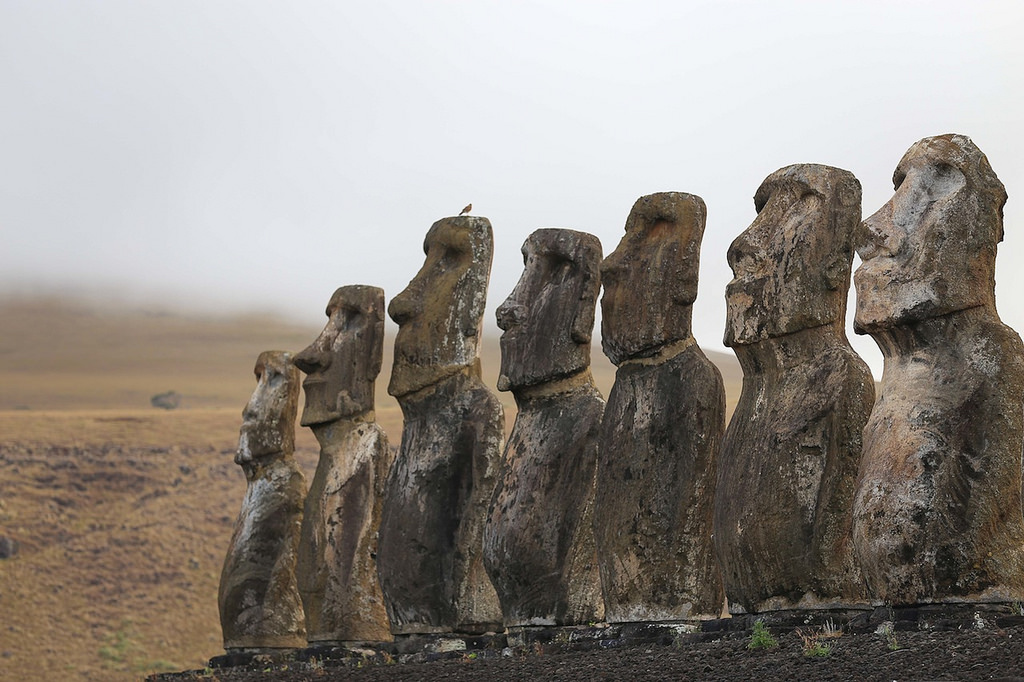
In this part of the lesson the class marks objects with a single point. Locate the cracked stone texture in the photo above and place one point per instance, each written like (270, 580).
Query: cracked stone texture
(789, 461)
(258, 596)
(440, 313)
(937, 515)
(436, 497)
(336, 571)
(539, 539)
(663, 424)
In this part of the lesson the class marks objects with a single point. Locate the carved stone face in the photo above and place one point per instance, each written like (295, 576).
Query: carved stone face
(268, 420)
(440, 313)
(931, 249)
(650, 280)
(791, 267)
(548, 318)
(342, 364)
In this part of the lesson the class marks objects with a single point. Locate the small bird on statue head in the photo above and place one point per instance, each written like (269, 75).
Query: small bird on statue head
(469, 207)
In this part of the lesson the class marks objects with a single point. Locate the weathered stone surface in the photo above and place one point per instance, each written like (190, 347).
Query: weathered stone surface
(435, 502)
(539, 539)
(342, 364)
(337, 575)
(938, 506)
(258, 598)
(650, 280)
(792, 265)
(663, 424)
(789, 461)
(440, 313)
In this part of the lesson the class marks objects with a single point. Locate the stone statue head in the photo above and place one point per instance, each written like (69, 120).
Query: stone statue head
(440, 313)
(791, 267)
(650, 280)
(548, 319)
(268, 420)
(342, 364)
(931, 249)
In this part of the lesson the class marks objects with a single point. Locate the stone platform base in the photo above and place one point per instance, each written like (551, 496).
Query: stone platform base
(518, 641)
(243, 657)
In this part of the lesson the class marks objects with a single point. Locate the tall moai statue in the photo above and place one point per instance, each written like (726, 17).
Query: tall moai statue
(435, 504)
(788, 468)
(539, 539)
(937, 516)
(337, 575)
(663, 425)
(258, 598)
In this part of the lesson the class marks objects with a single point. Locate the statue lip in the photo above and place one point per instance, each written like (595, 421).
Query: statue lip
(313, 380)
(878, 266)
(737, 284)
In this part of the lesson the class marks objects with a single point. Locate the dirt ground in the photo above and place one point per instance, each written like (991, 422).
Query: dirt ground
(990, 653)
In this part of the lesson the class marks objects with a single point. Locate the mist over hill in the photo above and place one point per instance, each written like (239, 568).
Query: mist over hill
(66, 353)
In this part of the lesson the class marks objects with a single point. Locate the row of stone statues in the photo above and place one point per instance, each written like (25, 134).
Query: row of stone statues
(820, 494)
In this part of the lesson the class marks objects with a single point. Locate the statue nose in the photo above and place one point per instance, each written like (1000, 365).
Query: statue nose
(876, 236)
(611, 269)
(510, 314)
(243, 456)
(745, 255)
(404, 307)
(312, 360)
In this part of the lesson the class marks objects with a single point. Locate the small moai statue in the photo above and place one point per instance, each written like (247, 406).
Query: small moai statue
(937, 514)
(663, 424)
(337, 575)
(430, 557)
(788, 467)
(539, 539)
(258, 598)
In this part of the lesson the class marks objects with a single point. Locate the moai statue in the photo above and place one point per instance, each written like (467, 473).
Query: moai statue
(937, 516)
(663, 424)
(336, 572)
(539, 539)
(258, 598)
(788, 467)
(435, 503)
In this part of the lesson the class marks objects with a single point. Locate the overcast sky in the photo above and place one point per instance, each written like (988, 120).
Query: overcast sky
(256, 155)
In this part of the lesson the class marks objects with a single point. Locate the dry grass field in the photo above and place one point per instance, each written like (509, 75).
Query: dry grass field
(122, 512)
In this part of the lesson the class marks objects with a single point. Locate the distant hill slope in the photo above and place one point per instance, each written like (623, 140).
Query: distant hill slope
(59, 354)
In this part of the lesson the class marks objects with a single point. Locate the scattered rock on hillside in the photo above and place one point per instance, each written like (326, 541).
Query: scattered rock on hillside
(167, 401)
(8, 547)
